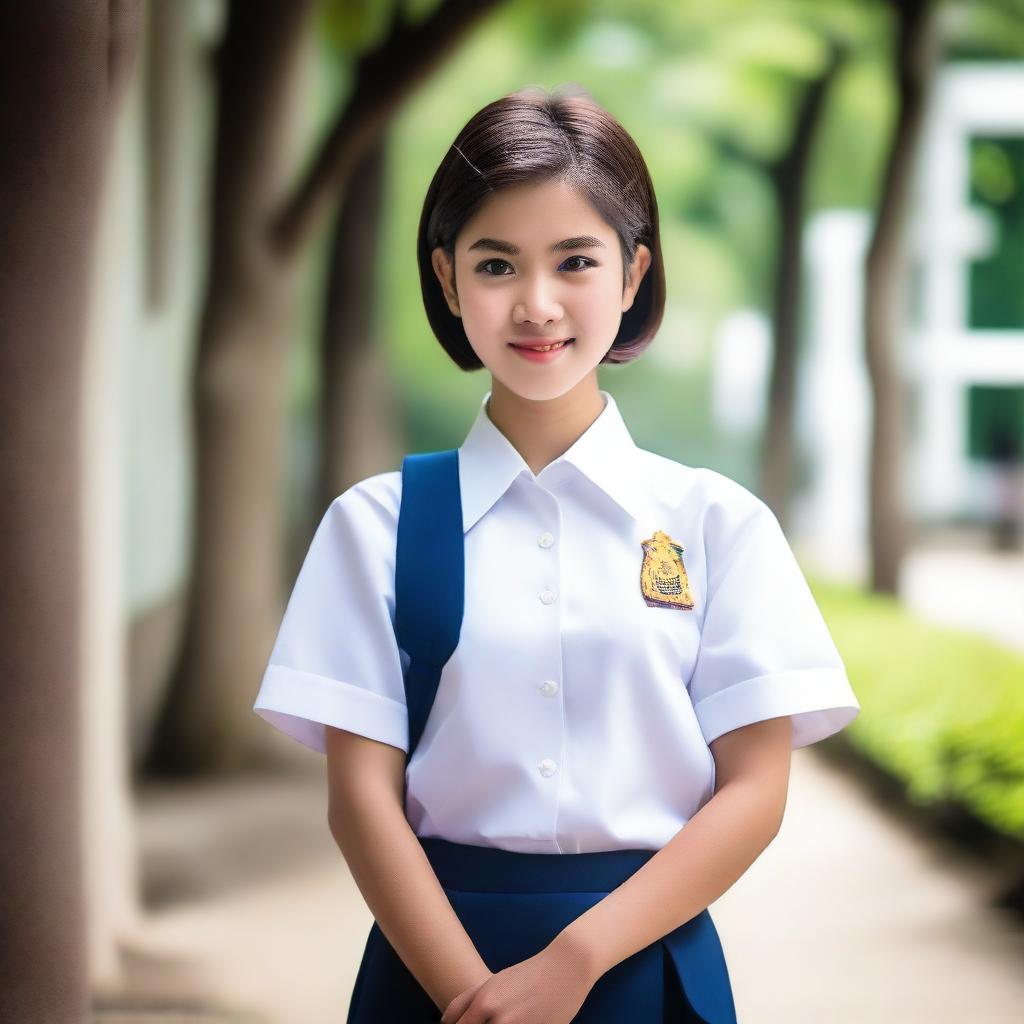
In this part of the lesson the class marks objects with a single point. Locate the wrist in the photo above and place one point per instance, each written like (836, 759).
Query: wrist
(572, 947)
(466, 978)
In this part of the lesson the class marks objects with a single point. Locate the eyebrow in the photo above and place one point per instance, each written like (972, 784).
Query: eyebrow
(578, 242)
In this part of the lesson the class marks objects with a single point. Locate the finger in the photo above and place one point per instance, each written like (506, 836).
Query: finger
(453, 1011)
(465, 1013)
(473, 1015)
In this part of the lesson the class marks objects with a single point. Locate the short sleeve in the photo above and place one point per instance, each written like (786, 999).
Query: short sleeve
(335, 660)
(765, 650)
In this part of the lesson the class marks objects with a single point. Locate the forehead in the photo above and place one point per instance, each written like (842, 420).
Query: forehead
(534, 216)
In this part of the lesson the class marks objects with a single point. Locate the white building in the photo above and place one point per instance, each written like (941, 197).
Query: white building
(949, 365)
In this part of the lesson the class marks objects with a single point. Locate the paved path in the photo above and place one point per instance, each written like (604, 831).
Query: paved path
(960, 582)
(849, 916)
(854, 914)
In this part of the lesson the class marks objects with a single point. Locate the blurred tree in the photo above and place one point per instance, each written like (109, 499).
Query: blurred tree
(727, 32)
(62, 79)
(260, 230)
(359, 421)
(237, 392)
(780, 60)
(358, 415)
(914, 60)
(788, 174)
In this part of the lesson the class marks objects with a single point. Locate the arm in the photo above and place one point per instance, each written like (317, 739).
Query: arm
(366, 814)
(702, 860)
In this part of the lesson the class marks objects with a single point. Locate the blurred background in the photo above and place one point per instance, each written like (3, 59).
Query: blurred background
(212, 325)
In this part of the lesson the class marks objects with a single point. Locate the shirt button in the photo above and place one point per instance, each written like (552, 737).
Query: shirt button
(547, 767)
(549, 687)
(545, 540)
(547, 596)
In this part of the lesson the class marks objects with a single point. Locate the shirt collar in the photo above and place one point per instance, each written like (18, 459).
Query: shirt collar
(605, 453)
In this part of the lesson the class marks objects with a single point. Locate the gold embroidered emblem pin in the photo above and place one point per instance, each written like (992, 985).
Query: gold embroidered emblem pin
(663, 578)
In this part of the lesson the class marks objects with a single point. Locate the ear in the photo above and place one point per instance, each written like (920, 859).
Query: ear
(637, 269)
(445, 271)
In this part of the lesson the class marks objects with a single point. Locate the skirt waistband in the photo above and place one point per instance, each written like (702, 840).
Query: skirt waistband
(492, 869)
(632, 990)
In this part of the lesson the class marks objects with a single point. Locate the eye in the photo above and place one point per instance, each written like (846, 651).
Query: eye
(586, 262)
(487, 263)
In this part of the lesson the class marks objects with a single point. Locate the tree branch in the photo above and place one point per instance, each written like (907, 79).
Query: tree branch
(384, 77)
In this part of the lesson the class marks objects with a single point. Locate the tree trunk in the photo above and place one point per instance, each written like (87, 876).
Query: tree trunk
(789, 179)
(61, 82)
(258, 238)
(914, 60)
(358, 430)
(238, 396)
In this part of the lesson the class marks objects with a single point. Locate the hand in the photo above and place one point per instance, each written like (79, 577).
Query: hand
(547, 988)
(457, 1006)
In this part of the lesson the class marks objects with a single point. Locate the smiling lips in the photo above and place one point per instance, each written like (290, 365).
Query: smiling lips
(541, 346)
(538, 351)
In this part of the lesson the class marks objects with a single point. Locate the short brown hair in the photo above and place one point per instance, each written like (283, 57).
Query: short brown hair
(533, 135)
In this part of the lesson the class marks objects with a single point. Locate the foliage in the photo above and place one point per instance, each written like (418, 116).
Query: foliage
(942, 709)
(708, 90)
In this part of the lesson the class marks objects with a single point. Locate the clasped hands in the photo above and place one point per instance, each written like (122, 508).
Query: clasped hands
(547, 988)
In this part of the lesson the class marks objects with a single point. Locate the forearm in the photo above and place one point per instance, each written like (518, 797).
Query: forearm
(690, 872)
(399, 885)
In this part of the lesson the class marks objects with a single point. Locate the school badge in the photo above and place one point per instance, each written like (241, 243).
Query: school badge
(663, 579)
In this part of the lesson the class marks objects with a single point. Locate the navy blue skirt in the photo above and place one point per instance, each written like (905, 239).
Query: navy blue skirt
(513, 904)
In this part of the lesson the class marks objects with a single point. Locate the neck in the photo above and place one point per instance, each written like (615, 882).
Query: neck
(542, 430)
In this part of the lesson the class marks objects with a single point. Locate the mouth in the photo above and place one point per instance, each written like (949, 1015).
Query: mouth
(538, 346)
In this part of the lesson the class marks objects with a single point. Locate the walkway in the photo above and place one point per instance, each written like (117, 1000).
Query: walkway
(853, 914)
(849, 916)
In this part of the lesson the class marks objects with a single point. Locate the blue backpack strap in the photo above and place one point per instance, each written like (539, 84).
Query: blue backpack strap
(429, 577)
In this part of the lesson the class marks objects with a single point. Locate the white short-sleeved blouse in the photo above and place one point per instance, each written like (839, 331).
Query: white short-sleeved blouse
(574, 715)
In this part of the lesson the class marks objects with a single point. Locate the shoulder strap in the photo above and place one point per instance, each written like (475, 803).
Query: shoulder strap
(429, 577)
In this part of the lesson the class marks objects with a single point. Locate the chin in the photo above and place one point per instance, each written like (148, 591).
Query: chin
(542, 388)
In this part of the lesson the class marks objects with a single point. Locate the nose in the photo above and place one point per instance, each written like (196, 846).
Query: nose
(537, 302)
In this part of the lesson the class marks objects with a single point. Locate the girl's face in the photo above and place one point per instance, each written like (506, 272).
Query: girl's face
(537, 262)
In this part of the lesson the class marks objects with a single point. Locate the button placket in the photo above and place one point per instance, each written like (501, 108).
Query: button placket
(548, 687)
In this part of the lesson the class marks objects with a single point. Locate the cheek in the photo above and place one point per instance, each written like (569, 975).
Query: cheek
(483, 308)
(598, 307)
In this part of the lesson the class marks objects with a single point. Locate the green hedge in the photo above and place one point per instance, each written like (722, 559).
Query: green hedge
(941, 709)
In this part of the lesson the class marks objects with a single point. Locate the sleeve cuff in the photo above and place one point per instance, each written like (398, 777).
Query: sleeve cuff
(820, 702)
(301, 703)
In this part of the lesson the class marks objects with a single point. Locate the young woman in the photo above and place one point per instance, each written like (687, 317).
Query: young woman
(557, 677)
